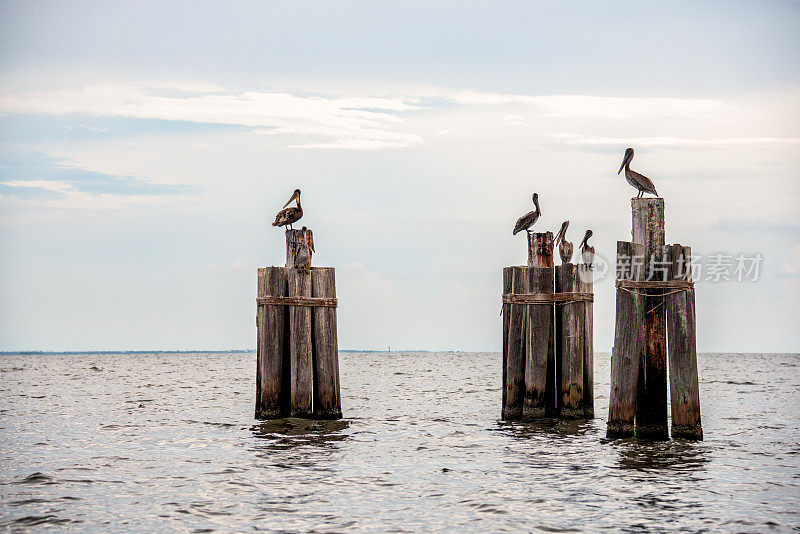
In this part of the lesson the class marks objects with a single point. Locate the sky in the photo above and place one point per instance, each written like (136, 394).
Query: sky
(145, 148)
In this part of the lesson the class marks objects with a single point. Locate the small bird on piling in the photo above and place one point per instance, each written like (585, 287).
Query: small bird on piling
(564, 246)
(289, 215)
(526, 221)
(302, 259)
(587, 251)
(639, 181)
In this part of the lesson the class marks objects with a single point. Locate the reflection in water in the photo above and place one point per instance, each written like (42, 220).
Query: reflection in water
(290, 432)
(555, 428)
(646, 455)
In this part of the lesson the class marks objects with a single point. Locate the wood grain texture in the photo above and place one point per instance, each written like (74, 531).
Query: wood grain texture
(570, 344)
(586, 285)
(682, 348)
(271, 347)
(540, 249)
(628, 347)
(327, 397)
(651, 410)
(508, 274)
(540, 384)
(515, 359)
(301, 366)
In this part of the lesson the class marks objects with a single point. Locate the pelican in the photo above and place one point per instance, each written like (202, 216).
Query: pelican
(564, 246)
(587, 251)
(639, 181)
(302, 259)
(527, 220)
(289, 215)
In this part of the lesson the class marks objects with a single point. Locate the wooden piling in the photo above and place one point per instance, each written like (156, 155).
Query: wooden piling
(540, 249)
(299, 248)
(628, 347)
(301, 367)
(327, 399)
(515, 356)
(682, 348)
(586, 285)
(651, 410)
(270, 346)
(570, 344)
(540, 383)
(508, 275)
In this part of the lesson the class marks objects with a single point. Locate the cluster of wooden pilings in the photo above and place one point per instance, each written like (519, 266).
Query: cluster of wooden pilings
(547, 337)
(655, 324)
(297, 356)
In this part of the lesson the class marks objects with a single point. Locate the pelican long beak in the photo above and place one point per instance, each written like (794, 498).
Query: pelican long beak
(294, 196)
(625, 160)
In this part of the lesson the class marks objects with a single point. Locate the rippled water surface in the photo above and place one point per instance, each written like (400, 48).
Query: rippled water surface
(167, 442)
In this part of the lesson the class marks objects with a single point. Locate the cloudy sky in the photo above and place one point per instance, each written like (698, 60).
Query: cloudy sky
(145, 148)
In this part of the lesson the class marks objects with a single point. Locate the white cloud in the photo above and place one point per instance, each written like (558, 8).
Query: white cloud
(792, 267)
(579, 139)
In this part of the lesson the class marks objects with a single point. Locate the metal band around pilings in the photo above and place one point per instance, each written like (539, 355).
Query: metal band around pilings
(311, 302)
(546, 298)
(655, 284)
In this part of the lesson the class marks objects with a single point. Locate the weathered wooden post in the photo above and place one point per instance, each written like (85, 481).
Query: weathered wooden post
(570, 317)
(651, 408)
(586, 286)
(655, 316)
(626, 354)
(533, 350)
(684, 385)
(540, 378)
(514, 358)
(297, 367)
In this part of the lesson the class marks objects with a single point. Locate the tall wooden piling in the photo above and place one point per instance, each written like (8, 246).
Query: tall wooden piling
(515, 356)
(628, 350)
(327, 399)
(301, 366)
(586, 285)
(682, 348)
(651, 410)
(540, 379)
(297, 358)
(271, 350)
(570, 317)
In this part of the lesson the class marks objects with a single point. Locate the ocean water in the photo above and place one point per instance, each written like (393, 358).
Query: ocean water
(155, 442)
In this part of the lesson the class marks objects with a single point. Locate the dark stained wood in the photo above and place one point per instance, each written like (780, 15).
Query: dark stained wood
(301, 367)
(327, 398)
(628, 345)
(651, 410)
(540, 385)
(508, 273)
(586, 285)
(540, 249)
(682, 349)
(298, 245)
(515, 356)
(570, 351)
(270, 345)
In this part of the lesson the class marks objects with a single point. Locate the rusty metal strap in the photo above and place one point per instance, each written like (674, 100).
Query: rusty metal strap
(655, 284)
(311, 302)
(547, 298)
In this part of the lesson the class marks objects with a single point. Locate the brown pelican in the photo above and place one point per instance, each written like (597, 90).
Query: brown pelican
(302, 259)
(564, 246)
(527, 220)
(289, 215)
(639, 181)
(587, 251)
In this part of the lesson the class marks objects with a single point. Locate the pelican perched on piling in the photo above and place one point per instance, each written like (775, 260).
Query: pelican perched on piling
(528, 220)
(587, 251)
(289, 215)
(564, 246)
(639, 181)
